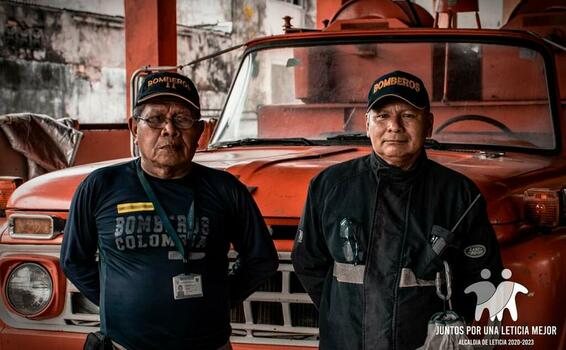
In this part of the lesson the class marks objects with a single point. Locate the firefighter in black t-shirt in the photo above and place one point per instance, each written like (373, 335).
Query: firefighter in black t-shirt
(163, 226)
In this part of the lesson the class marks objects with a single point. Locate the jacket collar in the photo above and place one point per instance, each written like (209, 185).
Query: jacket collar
(395, 174)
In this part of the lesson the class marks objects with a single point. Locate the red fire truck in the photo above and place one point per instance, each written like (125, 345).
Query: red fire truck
(296, 106)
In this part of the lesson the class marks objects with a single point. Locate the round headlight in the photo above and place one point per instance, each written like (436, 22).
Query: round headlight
(29, 288)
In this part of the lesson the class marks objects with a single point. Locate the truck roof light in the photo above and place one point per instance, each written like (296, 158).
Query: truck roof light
(8, 185)
(35, 226)
(542, 206)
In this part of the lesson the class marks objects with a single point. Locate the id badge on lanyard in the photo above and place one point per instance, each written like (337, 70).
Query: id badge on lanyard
(186, 285)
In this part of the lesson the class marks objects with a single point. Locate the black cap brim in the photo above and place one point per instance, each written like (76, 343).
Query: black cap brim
(152, 96)
(396, 96)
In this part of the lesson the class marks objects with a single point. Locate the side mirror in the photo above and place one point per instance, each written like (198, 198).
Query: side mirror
(209, 125)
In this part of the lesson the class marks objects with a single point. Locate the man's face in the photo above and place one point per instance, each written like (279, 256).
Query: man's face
(170, 146)
(397, 131)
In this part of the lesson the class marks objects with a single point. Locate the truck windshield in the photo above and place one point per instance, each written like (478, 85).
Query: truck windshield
(481, 94)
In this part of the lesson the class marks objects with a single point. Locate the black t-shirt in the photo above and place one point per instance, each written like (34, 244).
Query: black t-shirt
(133, 281)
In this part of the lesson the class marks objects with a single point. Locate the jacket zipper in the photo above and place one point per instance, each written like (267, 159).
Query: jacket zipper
(368, 261)
(401, 253)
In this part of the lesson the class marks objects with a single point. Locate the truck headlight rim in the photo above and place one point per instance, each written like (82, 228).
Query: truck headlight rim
(44, 305)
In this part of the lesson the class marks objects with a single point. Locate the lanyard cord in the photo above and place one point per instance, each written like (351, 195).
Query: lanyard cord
(165, 220)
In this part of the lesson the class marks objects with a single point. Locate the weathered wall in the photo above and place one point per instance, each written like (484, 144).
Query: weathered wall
(66, 58)
(206, 27)
(60, 63)
(234, 22)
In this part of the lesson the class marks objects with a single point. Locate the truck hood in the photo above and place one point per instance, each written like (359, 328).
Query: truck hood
(276, 175)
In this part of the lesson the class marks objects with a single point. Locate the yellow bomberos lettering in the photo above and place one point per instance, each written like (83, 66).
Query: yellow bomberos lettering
(396, 81)
(169, 82)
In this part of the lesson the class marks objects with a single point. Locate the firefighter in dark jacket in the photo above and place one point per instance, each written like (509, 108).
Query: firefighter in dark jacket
(376, 230)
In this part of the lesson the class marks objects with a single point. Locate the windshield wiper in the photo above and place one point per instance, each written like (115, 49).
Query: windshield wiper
(349, 136)
(429, 143)
(433, 144)
(258, 141)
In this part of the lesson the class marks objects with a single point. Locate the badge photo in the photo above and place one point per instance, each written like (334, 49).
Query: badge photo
(187, 286)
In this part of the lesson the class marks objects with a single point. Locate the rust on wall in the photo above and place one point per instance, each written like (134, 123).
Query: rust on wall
(70, 63)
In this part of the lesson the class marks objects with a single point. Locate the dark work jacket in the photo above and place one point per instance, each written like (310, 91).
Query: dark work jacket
(381, 297)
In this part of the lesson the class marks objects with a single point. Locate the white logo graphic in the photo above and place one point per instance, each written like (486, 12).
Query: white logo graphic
(475, 251)
(496, 300)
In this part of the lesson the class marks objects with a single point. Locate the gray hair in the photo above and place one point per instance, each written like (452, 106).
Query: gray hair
(138, 111)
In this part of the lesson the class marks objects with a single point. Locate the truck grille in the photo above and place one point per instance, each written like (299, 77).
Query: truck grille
(302, 315)
(280, 312)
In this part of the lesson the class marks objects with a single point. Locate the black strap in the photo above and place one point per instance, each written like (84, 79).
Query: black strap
(165, 220)
(97, 341)
(466, 212)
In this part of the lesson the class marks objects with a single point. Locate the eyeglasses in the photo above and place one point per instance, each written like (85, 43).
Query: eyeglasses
(159, 122)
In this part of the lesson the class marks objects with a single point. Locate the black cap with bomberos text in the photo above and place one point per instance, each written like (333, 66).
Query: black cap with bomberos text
(168, 84)
(399, 84)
